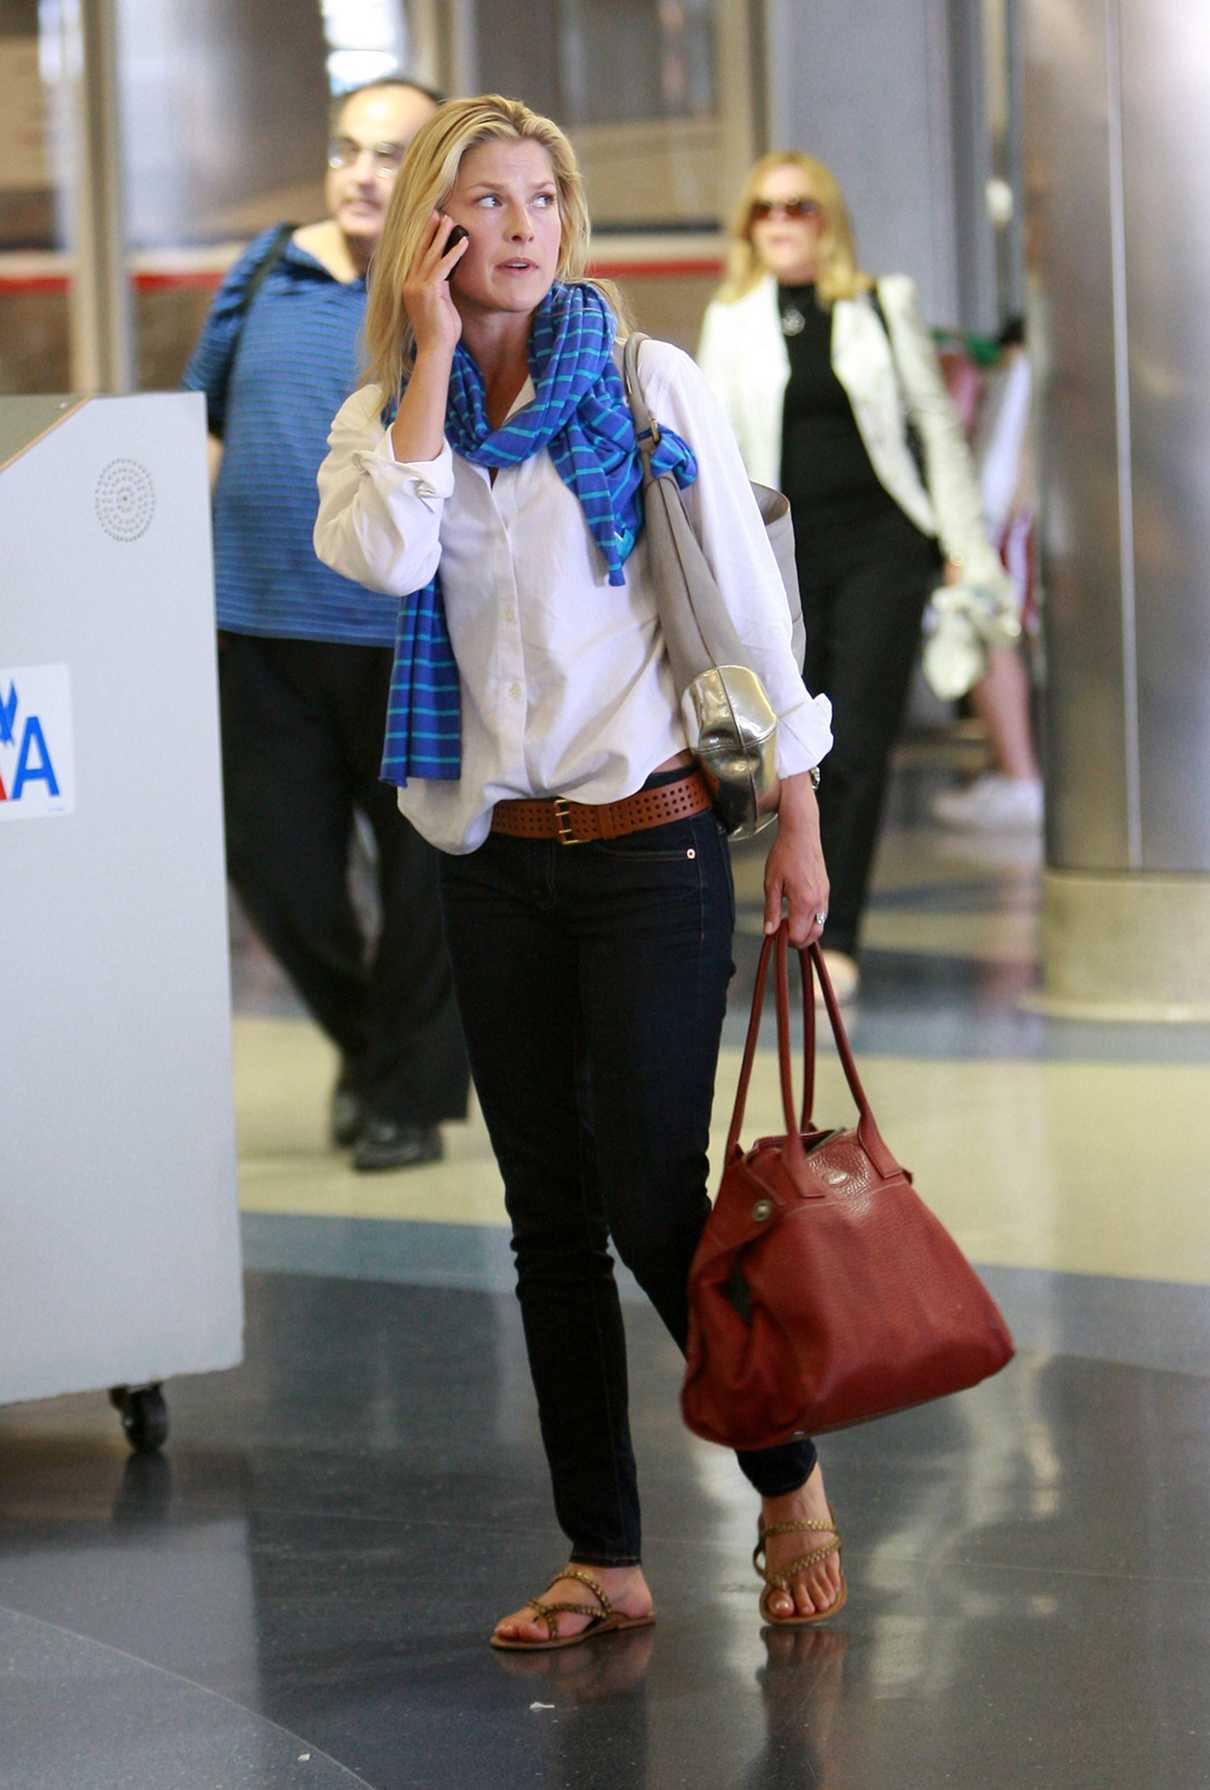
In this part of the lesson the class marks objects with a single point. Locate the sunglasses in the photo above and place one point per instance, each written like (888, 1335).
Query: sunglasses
(795, 209)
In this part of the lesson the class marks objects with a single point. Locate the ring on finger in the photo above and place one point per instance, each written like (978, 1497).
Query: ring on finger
(821, 920)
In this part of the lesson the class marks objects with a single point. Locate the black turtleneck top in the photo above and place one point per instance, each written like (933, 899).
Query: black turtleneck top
(825, 470)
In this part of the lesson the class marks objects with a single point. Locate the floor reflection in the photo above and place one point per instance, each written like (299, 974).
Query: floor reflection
(802, 1690)
(321, 1552)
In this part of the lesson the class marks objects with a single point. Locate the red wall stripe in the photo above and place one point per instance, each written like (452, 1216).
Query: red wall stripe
(208, 279)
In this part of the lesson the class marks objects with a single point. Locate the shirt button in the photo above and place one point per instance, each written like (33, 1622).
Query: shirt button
(515, 692)
(509, 613)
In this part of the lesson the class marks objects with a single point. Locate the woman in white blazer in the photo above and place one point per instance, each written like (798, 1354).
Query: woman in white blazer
(833, 388)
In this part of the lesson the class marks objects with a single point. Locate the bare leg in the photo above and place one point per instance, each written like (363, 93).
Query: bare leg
(1001, 701)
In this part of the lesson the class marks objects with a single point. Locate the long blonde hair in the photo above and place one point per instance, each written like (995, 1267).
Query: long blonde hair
(839, 275)
(429, 172)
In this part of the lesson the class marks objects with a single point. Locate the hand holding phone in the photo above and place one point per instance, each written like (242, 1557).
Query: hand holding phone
(427, 297)
(456, 235)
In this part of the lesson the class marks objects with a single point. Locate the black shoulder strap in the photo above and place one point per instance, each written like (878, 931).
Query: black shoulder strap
(261, 272)
(876, 301)
(914, 439)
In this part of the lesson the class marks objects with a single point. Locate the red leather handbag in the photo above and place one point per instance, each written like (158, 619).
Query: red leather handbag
(823, 1291)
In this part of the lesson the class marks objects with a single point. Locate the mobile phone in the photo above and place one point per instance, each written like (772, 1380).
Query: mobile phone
(456, 235)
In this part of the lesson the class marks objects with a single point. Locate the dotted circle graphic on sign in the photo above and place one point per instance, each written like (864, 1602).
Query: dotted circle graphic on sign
(125, 500)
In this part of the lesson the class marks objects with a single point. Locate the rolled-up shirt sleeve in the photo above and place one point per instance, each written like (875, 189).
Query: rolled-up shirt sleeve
(379, 519)
(730, 528)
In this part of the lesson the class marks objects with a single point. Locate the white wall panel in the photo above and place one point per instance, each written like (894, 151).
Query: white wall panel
(865, 85)
(119, 1239)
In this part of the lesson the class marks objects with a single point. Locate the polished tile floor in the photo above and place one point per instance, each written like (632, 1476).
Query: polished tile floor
(298, 1590)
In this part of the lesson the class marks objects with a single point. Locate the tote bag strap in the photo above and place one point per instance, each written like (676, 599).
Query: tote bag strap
(749, 1057)
(645, 427)
(774, 507)
(699, 634)
(811, 961)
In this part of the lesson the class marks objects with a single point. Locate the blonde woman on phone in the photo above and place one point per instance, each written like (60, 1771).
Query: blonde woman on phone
(536, 740)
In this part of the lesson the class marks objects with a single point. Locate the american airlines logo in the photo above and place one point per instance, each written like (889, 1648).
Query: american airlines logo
(37, 766)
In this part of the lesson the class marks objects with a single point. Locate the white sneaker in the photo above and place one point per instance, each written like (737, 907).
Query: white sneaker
(992, 803)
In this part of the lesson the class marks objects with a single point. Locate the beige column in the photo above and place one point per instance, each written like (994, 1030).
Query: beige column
(102, 340)
(1118, 203)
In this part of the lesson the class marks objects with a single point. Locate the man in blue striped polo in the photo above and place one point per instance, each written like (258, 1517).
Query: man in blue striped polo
(306, 659)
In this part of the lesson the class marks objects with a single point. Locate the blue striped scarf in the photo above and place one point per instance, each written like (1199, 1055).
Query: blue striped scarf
(579, 412)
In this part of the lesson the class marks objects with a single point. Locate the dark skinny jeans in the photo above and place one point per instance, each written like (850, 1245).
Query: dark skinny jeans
(592, 981)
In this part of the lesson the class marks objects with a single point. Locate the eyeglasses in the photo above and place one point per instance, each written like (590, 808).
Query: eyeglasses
(794, 209)
(346, 152)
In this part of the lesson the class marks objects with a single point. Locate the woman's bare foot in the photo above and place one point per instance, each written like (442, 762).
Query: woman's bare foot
(624, 1586)
(816, 1589)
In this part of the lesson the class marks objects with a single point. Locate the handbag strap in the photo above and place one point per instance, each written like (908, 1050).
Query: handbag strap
(808, 1026)
(811, 961)
(647, 430)
(911, 429)
(749, 1057)
(685, 565)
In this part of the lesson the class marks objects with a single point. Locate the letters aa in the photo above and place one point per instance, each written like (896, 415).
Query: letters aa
(34, 764)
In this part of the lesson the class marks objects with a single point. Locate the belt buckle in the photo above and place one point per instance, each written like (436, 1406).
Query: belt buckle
(566, 833)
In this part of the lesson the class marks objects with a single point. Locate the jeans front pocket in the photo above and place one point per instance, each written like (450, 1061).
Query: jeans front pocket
(676, 840)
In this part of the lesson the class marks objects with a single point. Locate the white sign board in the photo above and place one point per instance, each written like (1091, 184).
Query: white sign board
(119, 1240)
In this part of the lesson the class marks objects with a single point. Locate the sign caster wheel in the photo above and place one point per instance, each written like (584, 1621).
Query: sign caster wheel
(144, 1416)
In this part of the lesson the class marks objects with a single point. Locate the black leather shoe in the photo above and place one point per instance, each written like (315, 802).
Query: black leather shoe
(346, 1115)
(386, 1143)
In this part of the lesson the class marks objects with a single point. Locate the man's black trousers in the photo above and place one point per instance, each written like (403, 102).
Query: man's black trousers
(302, 731)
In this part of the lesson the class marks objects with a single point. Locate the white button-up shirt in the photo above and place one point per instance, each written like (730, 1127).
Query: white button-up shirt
(566, 687)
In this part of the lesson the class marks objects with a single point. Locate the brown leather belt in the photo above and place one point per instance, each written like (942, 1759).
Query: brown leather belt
(578, 823)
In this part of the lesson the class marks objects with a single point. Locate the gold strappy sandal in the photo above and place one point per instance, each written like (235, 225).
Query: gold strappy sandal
(604, 1620)
(783, 1580)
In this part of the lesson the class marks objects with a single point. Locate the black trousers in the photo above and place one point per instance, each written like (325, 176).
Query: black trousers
(863, 595)
(593, 980)
(302, 731)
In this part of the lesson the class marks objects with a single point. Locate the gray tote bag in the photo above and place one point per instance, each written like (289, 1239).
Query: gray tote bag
(729, 721)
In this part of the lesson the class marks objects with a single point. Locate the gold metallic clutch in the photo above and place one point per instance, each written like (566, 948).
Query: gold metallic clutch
(732, 730)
